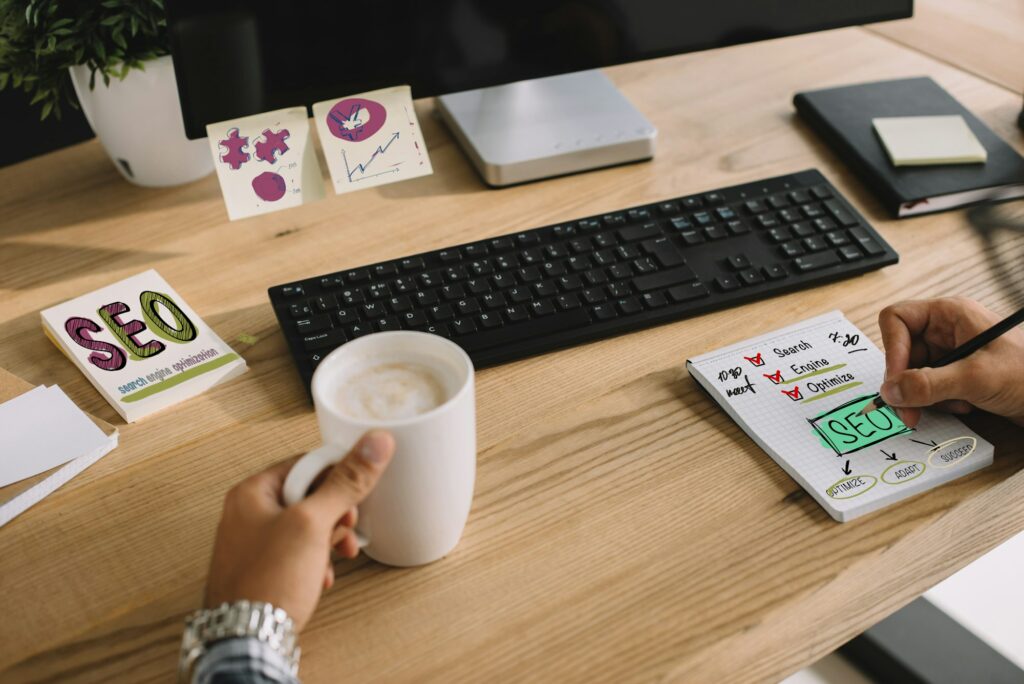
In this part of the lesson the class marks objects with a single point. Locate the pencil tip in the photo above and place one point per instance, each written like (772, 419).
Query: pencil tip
(868, 408)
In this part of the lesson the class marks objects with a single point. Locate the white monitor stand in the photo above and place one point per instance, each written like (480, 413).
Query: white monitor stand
(547, 127)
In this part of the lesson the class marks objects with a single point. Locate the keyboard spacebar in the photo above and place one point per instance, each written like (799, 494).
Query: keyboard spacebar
(512, 333)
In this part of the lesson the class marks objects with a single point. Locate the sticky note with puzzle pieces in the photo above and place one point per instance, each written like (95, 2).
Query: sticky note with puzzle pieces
(798, 392)
(371, 139)
(265, 162)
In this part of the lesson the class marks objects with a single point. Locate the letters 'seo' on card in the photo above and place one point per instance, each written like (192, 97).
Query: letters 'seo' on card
(265, 162)
(371, 139)
(141, 345)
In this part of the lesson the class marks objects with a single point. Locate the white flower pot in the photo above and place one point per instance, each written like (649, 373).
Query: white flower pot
(138, 121)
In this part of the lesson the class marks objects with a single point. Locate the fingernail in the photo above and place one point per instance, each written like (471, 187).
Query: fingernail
(891, 393)
(375, 447)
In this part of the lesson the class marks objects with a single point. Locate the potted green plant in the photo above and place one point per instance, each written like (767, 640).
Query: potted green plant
(114, 55)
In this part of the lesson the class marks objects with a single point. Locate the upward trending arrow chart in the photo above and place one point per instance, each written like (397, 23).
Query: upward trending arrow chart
(363, 166)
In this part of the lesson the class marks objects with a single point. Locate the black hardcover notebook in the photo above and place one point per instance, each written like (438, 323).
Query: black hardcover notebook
(842, 117)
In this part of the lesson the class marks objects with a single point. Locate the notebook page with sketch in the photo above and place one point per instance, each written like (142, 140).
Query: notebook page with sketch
(797, 393)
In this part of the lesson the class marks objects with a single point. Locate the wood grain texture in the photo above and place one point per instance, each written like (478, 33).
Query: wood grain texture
(985, 37)
(623, 528)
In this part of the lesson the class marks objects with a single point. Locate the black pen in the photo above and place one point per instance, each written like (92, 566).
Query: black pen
(963, 351)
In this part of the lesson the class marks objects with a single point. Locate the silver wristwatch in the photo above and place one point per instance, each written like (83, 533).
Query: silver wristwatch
(241, 619)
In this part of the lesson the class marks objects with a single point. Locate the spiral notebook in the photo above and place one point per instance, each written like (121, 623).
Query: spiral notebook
(797, 392)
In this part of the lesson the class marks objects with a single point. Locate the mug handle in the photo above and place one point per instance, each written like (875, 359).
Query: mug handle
(305, 470)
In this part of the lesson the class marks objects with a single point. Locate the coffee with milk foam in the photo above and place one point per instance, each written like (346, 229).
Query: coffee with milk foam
(390, 391)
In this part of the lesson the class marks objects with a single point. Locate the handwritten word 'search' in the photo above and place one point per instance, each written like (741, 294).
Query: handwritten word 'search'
(112, 357)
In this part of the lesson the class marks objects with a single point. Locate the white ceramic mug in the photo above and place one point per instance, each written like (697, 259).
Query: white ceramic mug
(417, 511)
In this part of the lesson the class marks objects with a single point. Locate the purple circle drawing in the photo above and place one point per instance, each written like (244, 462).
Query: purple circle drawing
(355, 119)
(269, 186)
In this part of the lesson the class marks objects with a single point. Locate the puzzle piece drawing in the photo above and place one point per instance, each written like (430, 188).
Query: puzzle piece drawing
(272, 145)
(235, 145)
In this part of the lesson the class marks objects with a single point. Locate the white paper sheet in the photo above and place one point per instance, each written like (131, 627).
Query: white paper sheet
(43, 429)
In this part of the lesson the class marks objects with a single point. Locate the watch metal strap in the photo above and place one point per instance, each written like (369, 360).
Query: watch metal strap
(241, 619)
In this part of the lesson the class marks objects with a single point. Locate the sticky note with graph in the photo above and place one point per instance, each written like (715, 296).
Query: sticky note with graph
(371, 139)
(797, 392)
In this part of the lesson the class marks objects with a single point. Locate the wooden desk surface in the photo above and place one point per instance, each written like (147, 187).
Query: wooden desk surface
(623, 528)
(979, 36)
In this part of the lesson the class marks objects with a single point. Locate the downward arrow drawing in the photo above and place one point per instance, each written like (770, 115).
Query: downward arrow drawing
(846, 468)
(929, 443)
(888, 456)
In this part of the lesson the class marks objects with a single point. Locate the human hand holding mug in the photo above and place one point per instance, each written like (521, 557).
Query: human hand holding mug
(266, 552)
(419, 388)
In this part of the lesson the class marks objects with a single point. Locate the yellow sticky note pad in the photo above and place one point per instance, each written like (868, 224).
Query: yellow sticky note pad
(926, 140)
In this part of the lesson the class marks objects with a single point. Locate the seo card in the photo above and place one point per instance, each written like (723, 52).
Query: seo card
(141, 345)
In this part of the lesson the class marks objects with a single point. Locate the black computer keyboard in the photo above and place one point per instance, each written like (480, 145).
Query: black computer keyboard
(534, 291)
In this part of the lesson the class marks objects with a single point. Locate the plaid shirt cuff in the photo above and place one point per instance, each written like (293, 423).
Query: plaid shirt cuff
(242, 661)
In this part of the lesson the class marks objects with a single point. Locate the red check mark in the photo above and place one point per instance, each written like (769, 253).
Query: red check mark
(794, 393)
(775, 377)
(756, 360)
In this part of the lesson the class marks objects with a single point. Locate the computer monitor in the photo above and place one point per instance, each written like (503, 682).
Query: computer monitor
(239, 57)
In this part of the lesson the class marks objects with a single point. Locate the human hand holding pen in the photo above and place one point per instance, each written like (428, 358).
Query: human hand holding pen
(916, 333)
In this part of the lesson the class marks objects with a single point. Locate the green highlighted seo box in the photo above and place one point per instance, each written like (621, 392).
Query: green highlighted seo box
(846, 431)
